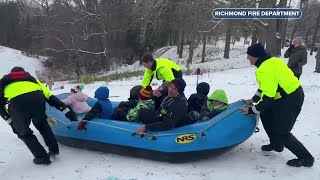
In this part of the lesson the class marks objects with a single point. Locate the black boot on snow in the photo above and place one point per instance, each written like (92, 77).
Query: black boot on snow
(270, 147)
(53, 154)
(301, 162)
(42, 161)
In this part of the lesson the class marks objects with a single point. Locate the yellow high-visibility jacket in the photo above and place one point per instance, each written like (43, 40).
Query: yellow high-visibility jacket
(163, 71)
(274, 77)
(22, 87)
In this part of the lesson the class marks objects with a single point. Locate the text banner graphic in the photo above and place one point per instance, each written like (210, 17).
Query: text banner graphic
(260, 13)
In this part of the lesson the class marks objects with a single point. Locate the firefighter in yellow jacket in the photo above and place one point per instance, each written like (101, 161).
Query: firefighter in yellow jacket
(278, 101)
(162, 69)
(26, 98)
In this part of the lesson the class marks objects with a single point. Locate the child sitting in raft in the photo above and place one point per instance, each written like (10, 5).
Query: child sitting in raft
(124, 107)
(101, 109)
(145, 102)
(197, 100)
(77, 100)
(215, 104)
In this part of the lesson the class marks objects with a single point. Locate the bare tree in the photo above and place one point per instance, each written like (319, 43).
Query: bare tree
(315, 31)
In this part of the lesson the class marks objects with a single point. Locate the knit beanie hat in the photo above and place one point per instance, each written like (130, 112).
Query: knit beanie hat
(80, 87)
(134, 92)
(203, 88)
(145, 94)
(179, 83)
(17, 69)
(256, 50)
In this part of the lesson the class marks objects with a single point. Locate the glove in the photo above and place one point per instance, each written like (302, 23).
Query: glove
(70, 115)
(291, 46)
(81, 125)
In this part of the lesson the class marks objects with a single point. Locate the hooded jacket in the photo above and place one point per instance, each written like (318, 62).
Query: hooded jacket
(77, 102)
(297, 58)
(197, 100)
(208, 110)
(103, 107)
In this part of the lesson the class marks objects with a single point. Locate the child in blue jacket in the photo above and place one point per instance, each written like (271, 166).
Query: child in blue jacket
(101, 109)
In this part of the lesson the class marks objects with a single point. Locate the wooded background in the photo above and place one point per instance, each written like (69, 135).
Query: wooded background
(87, 36)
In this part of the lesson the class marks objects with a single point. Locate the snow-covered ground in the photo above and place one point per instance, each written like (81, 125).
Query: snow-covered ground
(246, 161)
(213, 60)
(11, 57)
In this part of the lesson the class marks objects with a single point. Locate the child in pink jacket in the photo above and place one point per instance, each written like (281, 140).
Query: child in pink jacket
(77, 100)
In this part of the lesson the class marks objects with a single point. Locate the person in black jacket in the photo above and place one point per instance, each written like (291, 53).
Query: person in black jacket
(27, 97)
(172, 112)
(297, 54)
(123, 108)
(197, 100)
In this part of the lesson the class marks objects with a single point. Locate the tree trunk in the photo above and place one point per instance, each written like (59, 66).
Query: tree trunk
(262, 33)
(181, 44)
(143, 35)
(191, 49)
(293, 33)
(315, 32)
(283, 36)
(228, 39)
(271, 43)
(171, 39)
(178, 42)
(204, 35)
(254, 36)
(281, 27)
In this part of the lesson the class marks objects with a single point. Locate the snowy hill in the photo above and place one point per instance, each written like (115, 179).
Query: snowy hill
(246, 161)
(214, 60)
(11, 57)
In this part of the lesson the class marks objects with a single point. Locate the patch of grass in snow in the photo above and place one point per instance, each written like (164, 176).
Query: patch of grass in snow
(112, 77)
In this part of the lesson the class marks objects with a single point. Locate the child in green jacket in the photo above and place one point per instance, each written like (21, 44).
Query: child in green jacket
(216, 103)
(145, 101)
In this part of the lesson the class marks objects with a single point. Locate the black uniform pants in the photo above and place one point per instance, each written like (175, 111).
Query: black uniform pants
(279, 120)
(31, 107)
(297, 75)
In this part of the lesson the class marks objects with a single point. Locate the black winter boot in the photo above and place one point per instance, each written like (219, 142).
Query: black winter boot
(301, 162)
(53, 154)
(270, 147)
(41, 161)
(304, 156)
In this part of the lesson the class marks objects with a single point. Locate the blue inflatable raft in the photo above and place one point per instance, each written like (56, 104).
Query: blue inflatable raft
(189, 142)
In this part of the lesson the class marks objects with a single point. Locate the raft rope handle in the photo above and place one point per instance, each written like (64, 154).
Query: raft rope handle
(152, 136)
(148, 135)
(217, 121)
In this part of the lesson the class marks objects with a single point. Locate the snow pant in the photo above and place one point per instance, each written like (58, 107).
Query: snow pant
(31, 107)
(147, 116)
(279, 120)
(120, 114)
(297, 75)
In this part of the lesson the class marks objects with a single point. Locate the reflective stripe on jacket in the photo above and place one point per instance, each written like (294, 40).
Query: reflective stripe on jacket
(274, 78)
